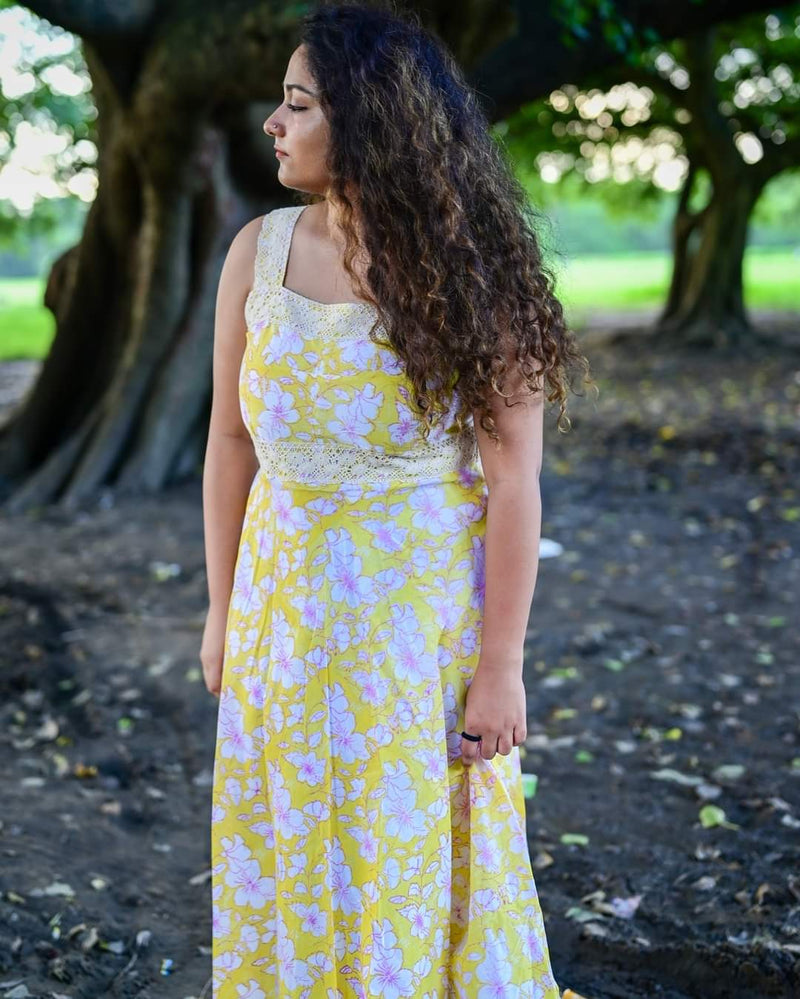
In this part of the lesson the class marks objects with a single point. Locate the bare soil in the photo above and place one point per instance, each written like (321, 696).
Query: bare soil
(664, 703)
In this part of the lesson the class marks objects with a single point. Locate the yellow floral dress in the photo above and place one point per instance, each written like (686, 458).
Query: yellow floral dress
(353, 853)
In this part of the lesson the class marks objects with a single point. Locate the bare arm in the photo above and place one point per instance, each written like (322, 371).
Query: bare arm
(513, 524)
(495, 705)
(230, 460)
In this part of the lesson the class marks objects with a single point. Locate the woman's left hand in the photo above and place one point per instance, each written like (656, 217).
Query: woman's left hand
(496, 710)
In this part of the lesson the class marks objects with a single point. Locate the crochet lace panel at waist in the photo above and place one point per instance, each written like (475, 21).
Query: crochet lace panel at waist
(319, 462)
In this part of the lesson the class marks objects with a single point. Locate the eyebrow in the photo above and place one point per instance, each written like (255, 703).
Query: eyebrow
(298, 86)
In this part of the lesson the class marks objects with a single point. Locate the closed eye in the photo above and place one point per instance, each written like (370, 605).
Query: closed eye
(296, 107)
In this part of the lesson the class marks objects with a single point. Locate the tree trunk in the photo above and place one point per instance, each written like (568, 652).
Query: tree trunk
(684, 229)
(123, 396)
(126, 383)
(705, 305)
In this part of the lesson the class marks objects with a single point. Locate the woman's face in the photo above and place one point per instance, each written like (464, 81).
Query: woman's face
(300, 130)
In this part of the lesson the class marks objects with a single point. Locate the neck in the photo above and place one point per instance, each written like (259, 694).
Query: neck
(333, 215)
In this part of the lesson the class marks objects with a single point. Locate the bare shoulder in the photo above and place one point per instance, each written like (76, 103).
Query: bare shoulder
(235, 283)
(240, 260)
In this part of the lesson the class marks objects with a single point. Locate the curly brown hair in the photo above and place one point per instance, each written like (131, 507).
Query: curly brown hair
(456, 274)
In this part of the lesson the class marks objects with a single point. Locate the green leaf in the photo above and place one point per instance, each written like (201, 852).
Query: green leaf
(711, 815)
(577, 838)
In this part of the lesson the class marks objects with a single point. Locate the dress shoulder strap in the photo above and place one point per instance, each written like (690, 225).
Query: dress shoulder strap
(272, 254)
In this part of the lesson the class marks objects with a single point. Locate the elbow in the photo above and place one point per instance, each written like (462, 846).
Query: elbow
(523, 483)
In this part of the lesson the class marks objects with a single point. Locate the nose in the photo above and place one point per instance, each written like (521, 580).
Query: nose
(273, 122)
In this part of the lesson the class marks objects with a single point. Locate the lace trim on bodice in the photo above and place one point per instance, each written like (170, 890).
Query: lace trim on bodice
(325, 462)
(270, 301)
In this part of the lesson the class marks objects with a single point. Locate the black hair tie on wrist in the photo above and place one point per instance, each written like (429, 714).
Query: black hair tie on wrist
(472, 738)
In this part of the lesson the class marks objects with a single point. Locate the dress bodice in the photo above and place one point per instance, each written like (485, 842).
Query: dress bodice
(322, 401)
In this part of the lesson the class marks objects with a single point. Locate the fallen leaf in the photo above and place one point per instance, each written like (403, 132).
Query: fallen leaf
(578, 838)
(115, 946)
(713, 815)
(708, 791)
(688, 780)
(91, 938)
(82, 771)
(582, 915)
(47, 731)
(625, 908)
(54, 888)
(728, 771)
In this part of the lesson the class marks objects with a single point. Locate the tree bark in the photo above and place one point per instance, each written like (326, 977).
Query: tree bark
(684, 228)
(705, 306)
(127, 379)
(124, 392)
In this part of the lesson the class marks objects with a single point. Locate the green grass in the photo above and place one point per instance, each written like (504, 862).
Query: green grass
(618, 281)
(26, 326)
(632, 281)
(629, 281)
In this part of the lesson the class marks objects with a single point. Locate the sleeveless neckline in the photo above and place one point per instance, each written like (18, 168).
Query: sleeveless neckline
(304, 299)
(269, 300)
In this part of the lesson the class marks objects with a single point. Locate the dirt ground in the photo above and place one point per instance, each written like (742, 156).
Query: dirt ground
(664, 704)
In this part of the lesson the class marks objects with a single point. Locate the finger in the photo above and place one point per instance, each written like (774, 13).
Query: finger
(469, 751)
(520, 735)
(489, 747)
(504, 744)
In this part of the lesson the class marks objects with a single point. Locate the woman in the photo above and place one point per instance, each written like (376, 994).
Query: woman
(372, 517)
